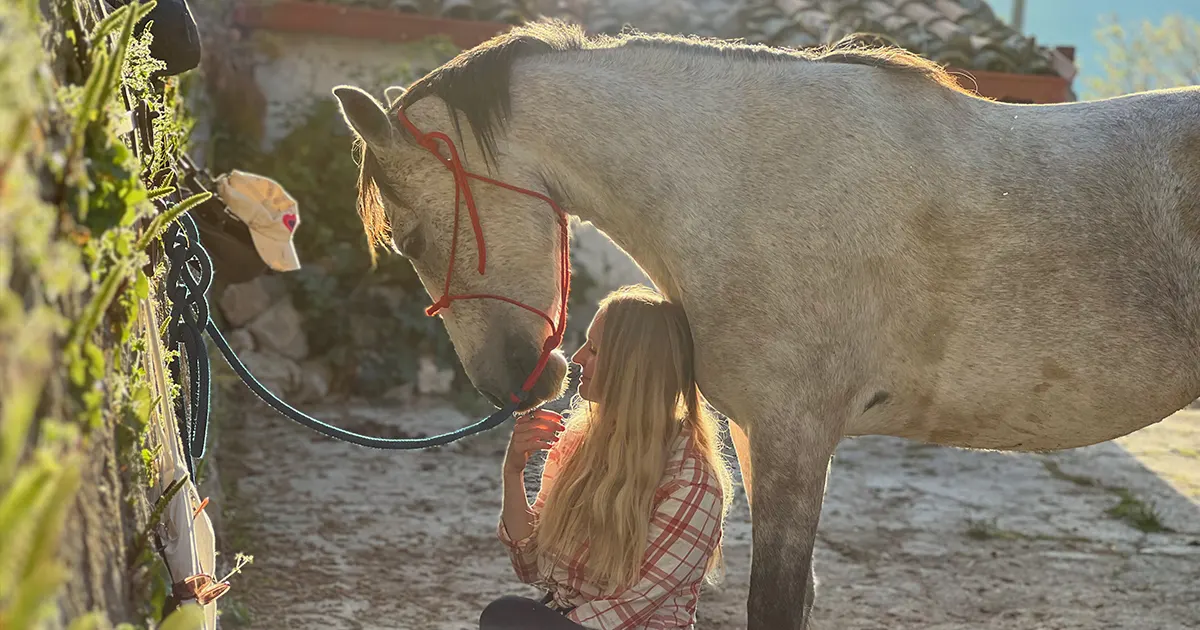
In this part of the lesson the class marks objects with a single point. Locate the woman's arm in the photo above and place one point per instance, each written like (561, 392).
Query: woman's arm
(538, 431)
(516, 515)
(516, 528)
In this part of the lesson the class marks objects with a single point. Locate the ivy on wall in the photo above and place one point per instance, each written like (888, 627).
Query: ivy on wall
(78, 221)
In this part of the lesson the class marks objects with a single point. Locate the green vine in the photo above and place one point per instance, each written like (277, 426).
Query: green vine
(74, 232)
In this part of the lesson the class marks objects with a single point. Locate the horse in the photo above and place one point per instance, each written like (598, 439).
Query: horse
(862, 246)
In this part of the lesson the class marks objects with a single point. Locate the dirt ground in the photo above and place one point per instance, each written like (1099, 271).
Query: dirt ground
(911, 536)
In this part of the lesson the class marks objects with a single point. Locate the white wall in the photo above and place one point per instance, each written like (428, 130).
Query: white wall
(294, 68)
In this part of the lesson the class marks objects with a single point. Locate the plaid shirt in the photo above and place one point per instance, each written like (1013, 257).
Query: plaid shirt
(684, 532)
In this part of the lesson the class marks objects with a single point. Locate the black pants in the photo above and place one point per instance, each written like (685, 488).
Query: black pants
(521, 613)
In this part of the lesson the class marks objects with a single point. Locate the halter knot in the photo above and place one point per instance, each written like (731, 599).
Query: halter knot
(442, 303)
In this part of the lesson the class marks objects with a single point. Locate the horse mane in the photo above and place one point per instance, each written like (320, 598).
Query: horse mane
(370, 200)
(476, 83)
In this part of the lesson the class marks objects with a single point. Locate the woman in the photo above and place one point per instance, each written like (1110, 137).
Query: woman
(627, 525)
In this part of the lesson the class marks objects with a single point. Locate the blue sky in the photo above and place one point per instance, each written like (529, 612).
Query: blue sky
(1074, 22)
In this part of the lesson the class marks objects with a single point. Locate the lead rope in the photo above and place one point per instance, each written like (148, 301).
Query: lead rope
(190, 318)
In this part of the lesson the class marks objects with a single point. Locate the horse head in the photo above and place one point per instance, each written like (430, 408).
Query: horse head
(409, 195)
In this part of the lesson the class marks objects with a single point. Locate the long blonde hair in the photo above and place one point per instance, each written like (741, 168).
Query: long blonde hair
(603, 494)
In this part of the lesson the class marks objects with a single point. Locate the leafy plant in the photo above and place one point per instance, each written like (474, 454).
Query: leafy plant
(1150, 56)
(73, 235)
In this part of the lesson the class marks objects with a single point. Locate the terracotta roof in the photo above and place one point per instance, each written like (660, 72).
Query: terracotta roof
(964, 33)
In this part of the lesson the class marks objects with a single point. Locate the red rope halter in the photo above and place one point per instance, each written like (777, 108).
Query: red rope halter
(462, 189)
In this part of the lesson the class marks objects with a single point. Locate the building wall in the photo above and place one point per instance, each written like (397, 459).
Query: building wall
(294, 69)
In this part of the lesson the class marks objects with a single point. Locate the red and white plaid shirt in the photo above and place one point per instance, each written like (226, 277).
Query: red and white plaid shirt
(685, 530)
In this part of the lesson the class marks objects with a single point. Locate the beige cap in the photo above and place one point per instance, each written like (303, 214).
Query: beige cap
(268, 210)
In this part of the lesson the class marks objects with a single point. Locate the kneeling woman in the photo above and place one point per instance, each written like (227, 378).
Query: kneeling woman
(627, 525)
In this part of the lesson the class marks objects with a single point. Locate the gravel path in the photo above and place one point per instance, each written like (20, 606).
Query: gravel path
(912, 536)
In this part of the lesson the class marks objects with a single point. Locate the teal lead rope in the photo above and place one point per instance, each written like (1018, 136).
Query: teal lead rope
(188, 280)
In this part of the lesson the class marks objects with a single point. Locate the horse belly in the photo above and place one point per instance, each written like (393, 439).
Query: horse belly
(1055, 394)
(1015, 422)
(1036, 329)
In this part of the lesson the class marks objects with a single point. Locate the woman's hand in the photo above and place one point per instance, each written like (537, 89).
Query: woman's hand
(535, 431)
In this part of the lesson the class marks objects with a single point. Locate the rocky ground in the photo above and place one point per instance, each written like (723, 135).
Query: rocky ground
(911, 536)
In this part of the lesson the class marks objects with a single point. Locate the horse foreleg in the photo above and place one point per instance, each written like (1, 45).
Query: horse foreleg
(793, 463)
(741, 446)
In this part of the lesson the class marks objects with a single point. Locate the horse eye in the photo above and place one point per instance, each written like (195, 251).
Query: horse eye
(413, 244)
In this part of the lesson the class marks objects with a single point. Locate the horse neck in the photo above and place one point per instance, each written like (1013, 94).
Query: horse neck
(625, 158)
(686, 159)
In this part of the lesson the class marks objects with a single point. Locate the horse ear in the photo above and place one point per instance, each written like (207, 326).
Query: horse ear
(393, 94)
(364, 114)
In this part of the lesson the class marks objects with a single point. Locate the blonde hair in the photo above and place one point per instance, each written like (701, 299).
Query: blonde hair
(603, 495)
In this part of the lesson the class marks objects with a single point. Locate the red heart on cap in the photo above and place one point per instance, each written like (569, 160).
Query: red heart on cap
(289, 222)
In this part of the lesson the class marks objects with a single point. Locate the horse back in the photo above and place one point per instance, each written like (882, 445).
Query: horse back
(1048, 296)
